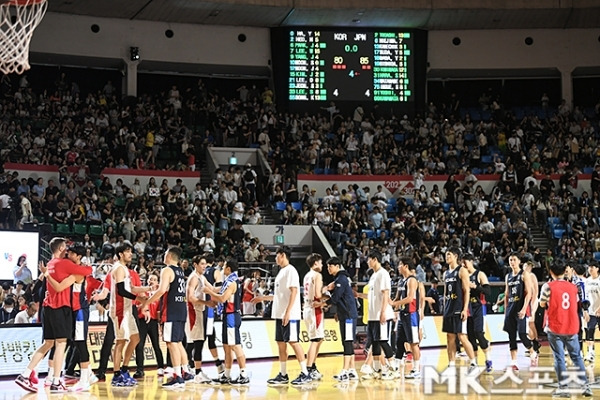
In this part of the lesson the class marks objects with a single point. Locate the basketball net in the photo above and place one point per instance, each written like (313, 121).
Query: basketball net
(18, 20)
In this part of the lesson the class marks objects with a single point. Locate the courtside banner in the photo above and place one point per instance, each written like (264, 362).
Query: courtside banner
(17, 345)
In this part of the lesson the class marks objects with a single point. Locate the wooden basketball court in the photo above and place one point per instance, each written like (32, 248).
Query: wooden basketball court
(533, 382)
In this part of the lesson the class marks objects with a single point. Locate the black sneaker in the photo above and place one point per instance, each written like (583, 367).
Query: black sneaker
(241, 380)
(187, 376)
(101, 376)
(302, 379)
(280, 379)
(174, 382)
(222, 380)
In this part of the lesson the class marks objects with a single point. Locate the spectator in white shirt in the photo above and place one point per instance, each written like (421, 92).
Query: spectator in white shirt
(27, 316)
(207, 243)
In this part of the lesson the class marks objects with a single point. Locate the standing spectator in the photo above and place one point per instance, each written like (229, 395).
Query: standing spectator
(21, 272)
(561, 300)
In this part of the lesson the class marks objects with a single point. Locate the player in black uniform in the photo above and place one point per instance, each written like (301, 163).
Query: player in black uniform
(456, 308)
(173, 313)
(480, 288)
(517, 297)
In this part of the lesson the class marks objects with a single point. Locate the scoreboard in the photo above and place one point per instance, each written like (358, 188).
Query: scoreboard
(344, 65)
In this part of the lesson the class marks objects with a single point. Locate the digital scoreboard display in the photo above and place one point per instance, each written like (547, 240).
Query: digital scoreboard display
(343, 65)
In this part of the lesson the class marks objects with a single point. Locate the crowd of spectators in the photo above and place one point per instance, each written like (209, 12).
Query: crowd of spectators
(83, 133)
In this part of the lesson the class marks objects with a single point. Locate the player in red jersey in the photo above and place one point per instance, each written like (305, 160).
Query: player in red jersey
(58, 318)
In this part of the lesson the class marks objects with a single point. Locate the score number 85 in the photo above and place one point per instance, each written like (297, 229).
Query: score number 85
(340, 60)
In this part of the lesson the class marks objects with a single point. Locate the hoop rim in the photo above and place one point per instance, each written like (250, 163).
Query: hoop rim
(23, 3)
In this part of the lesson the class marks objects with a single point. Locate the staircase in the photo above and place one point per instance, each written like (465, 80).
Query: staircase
(540, 239)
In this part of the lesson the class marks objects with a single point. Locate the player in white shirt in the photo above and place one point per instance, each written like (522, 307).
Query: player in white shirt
(194, 326)
(380, 316)
(287, 312)
(314, 318)
(592, 288)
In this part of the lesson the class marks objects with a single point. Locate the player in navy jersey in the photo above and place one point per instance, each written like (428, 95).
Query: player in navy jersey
(230, 296)
(407, 302)
(517, 298)
(480, 288)
(172, 291)
(456, 308)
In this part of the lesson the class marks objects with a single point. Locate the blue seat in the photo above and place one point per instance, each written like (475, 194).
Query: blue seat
(476, 171)
(329, 171)
(446, 206)
(399, 137)
(486, 159)
(280, 206)
(597, 255)
(392, 201)
(588, 170)
(296, 205)
(558, 233)
(553, 221)
(319, 171)
(390, 208)
(410, 201)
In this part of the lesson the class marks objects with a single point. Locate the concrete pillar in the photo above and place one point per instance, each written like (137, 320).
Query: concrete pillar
(567, 84)
(130, 81)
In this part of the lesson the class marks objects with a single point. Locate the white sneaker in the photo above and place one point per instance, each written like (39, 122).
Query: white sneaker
(366, 369)
(93, 379)
(473, 370)
(80, 387)
(368, 372)
(533, 356)
(413, 374)
(589, 358)
(160, 372)
(342, 376)
(352, 375)
(386, 374)
(202, 378)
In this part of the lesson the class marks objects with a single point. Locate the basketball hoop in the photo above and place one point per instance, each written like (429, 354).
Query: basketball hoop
(18, 20)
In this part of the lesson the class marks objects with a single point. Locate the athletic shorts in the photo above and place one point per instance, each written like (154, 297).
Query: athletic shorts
(348, 329)
(315, 323)
(58, 323)
(194, 326)
(454, 324)
(231, 329)
(477, 318)
(379, 332)
(591, 327)
(409, 323)
(125, 326)
(249, 308)
(209, 322)
(289, 333)
(174, 331)
(81, 320)
(514, 324)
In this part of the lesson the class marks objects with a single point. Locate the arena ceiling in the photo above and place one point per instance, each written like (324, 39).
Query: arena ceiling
(423, 14)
